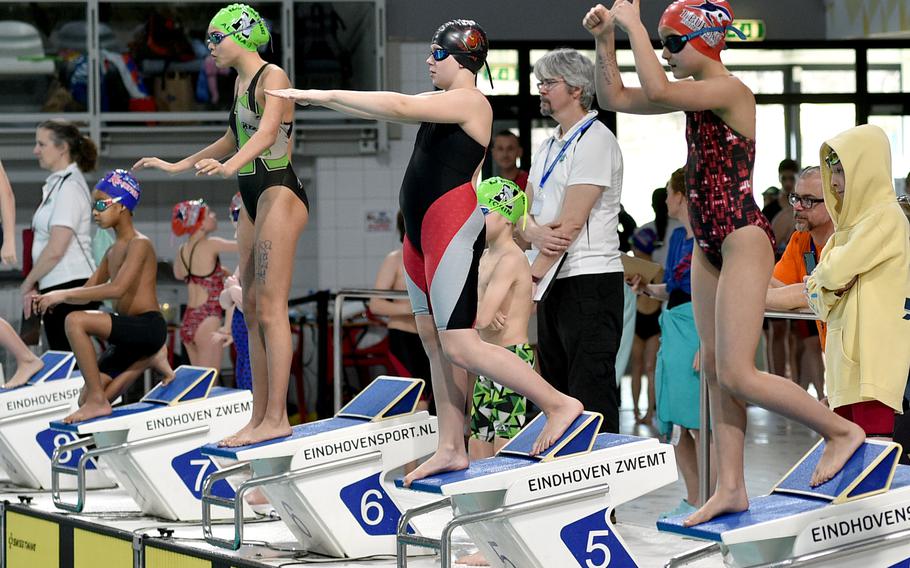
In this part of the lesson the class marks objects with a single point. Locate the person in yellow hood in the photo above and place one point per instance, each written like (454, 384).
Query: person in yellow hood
(861, 285)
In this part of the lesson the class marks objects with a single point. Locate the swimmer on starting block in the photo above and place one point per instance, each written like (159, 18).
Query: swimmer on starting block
(731, 267)
(136, 332)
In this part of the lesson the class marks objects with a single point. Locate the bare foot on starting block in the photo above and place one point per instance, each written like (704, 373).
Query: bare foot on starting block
(837, 451)
(476, 559)
(89, 410)
(558, 421)
(721, 502)
(441, 461)
(242, 433)
(263, 432)
(24, 372)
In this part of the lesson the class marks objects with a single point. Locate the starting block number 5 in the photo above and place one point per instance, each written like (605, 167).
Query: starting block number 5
(594, 543)
(371, 506)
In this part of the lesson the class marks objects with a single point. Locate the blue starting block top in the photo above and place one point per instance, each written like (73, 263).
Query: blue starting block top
(868, 472)
(57, 365)
(577, 439)
(761, 510)
(297, 432)
(385, 397)
(189, 384)
(501, 463)
(127, 410)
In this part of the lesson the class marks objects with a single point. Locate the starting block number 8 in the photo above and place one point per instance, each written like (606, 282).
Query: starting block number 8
(370, 505)
(594, 543)
(50, 440)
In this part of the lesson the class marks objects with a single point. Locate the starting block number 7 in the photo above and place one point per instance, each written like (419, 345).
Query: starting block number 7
(594, 543)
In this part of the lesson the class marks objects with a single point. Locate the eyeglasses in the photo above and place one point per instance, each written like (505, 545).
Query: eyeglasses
(804, 202)
(832, 159)
(442, 53)
(216, 38)
(102, 205)
(548, 84)
(676, 43)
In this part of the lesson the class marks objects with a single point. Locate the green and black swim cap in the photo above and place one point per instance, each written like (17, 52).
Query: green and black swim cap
(252, 31)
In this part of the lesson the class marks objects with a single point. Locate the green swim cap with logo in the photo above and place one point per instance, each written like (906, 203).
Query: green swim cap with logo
(503, 196)
(251, 31)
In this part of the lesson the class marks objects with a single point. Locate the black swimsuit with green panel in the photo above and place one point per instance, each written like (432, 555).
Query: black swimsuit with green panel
(273, 166)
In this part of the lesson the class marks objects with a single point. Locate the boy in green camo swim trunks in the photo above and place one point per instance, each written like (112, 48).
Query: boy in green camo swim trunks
(504, 306)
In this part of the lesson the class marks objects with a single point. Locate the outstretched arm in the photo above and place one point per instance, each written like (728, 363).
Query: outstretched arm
(216, 151)
(449, 107)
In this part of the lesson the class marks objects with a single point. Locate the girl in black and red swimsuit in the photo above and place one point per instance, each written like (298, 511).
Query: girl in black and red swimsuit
(731, 267)
(445, 235)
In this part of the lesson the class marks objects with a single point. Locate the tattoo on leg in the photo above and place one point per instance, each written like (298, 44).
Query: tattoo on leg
(263, 248)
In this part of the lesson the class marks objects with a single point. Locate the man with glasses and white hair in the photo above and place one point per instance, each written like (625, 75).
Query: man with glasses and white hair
(574, 190)
(786, 291)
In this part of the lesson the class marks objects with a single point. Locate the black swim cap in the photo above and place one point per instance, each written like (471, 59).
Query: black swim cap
(466, 41)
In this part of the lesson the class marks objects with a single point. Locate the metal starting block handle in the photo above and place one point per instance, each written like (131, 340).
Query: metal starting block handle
(235, 504)
(58, 468)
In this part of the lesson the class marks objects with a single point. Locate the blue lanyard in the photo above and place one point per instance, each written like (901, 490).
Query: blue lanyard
(562, 152)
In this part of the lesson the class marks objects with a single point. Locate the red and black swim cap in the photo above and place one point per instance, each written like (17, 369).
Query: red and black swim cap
(466, 41)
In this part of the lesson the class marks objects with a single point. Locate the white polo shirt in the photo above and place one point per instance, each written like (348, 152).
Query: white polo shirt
(65, 203)
(594, 158)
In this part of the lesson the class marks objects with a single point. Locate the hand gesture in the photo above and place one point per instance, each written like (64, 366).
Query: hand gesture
(212, 167)
(156, 163)
(303, 97)
(636, 284)
(222, 336)
(598, 21)
(549, 239)
(44, 303)
(28, 300)
(8, 252)
(626, 14)
(499, 321)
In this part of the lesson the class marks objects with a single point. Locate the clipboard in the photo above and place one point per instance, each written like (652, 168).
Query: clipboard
(649, 271)
(546, 282)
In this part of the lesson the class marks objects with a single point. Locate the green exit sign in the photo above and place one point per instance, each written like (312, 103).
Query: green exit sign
(754, 30)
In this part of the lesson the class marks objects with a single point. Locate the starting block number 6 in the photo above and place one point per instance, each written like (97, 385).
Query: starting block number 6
(593, 542)
(371, 506)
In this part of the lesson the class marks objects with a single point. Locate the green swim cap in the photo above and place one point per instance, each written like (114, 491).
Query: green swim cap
(251, 30)
(503, 196)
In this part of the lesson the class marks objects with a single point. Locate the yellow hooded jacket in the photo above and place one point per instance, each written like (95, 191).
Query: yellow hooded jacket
(868, 350)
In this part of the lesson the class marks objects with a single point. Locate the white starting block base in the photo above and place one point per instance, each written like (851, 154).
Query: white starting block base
(550, 510)
(868, 500)
(27, 444)
(325, 480)
(153, 446)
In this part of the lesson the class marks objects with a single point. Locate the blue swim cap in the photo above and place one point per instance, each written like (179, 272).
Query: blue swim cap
(122, 184)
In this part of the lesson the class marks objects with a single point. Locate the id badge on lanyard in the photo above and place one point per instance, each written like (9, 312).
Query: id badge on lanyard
(539, 195)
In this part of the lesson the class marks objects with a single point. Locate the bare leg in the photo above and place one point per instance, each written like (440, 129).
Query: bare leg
(27, 364)
(813, 370)
(450, 384)
(712, 469)
(158, 362)
(777, 346)
(258, 366)
(281, 217)
(466, 350)
(740, 287)
(80, 328)
(479, 449)
(636, 364)
(208, 353)
(652, 345)
(687, 462)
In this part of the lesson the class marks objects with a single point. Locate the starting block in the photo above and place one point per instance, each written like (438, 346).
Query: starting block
(548, 510)
(326, 479)
(153, 446)
(867, 502)
(26, 443)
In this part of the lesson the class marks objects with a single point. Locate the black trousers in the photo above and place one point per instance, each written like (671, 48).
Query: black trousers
(579, 326)
(55, 320)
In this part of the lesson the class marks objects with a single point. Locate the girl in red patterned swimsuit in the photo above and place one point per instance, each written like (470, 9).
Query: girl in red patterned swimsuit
(199, 264)
(732, 265)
